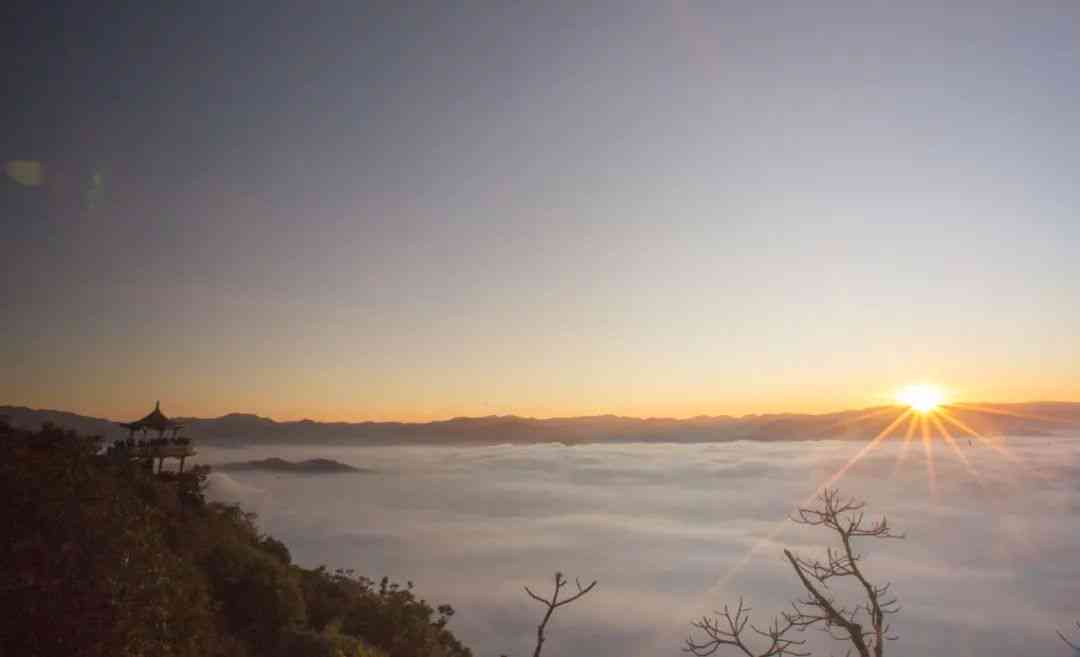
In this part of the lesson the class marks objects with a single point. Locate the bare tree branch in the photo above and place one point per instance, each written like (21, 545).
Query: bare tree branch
(554, 603)
(861, 625)
(727, 630)
(1072, 645)
(846, 518)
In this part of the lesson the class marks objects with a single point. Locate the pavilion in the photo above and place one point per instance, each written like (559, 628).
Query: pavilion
(167, 444)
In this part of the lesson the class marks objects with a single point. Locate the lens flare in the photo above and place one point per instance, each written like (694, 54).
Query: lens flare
(922, 398)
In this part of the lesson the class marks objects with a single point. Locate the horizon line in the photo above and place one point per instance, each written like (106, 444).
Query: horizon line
(960, 404)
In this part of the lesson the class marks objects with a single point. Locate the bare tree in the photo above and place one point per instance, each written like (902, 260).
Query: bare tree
(729, 629)
(861, 625)
(1074, 646)
(554, 603)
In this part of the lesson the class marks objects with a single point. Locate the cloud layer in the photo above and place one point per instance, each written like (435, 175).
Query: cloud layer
(674, 531)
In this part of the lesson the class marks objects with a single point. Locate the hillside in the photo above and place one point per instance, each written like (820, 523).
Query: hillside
(103, 558)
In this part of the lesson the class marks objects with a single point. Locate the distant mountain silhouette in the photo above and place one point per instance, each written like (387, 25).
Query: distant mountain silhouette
(311, 466)
(1024, 419)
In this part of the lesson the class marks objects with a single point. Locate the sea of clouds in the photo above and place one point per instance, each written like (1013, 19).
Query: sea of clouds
(990, 565)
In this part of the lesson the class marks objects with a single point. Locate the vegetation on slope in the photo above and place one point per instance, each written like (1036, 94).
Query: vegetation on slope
(103, 558)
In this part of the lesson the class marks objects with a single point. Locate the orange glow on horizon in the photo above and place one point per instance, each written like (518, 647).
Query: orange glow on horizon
(398, 404)
(925, 413)
(922, 397)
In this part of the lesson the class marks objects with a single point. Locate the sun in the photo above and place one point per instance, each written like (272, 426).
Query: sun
(922, 398)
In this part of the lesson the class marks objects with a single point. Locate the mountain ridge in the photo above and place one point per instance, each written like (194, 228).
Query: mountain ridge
(1025, 418)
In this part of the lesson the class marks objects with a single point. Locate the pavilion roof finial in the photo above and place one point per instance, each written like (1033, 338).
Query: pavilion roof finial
(154, 420)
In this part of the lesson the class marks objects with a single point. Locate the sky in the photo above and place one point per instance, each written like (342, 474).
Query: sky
(358, 211)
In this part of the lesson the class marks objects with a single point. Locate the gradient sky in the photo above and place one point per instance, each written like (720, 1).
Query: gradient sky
(663, 208)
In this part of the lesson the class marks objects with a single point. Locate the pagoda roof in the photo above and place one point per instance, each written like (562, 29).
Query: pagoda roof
(153, 420)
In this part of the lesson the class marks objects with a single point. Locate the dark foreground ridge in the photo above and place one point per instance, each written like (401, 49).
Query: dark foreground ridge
(103, 557)
(310, 466)
(1027, 419)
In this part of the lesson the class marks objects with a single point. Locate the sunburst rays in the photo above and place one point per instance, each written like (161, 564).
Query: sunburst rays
(928, 449)
(778, 527)
(932, 423)
(902, 456)
(858, 419)
(995, 444)
(991, 410)
(951, 442)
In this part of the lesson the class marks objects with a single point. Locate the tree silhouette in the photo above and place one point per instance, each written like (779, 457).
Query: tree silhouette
(1074, 646)
(861, 625)
(554, 603)
(106, 559)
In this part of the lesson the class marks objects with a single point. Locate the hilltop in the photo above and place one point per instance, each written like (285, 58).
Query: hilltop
(310, 466)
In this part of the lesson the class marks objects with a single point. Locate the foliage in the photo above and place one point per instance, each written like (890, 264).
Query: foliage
(387, 615)
(102, 557)
(258, 595)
